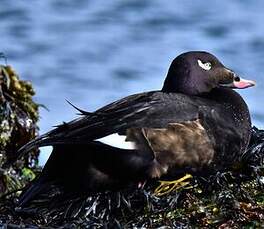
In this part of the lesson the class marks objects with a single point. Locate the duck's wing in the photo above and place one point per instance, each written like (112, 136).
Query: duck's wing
(151, 109)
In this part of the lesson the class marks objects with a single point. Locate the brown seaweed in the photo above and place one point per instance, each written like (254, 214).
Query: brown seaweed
(18, 125)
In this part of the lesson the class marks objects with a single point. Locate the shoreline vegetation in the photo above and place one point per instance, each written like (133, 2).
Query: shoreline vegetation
(229, 199)
(18, 125)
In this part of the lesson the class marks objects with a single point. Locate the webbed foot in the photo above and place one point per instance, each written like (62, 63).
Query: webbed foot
(166, 187)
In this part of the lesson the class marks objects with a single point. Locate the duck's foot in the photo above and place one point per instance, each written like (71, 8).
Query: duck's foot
(166, 187)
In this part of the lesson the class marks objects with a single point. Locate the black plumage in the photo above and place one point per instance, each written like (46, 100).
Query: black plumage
(196, 121)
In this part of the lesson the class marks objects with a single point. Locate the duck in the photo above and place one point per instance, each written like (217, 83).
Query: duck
(195, 122)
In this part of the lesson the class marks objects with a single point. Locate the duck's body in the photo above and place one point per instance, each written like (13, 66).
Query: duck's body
(170, 131)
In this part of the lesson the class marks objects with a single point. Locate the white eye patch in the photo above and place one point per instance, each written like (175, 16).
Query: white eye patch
(206, 66)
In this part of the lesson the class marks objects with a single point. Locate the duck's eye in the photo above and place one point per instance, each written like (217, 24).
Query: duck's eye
(237, 78)
(206, 66)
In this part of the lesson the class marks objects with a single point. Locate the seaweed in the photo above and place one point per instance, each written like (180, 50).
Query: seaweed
(18, 125)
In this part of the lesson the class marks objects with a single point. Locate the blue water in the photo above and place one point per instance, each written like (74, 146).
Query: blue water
(93, 52)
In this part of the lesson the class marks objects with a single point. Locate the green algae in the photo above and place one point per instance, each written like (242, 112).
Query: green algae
(18, 125)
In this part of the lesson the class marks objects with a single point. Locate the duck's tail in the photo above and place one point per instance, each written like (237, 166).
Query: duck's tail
(30, 193)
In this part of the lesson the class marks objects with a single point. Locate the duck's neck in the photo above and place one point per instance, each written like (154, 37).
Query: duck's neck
(235, 105)
(230, 98)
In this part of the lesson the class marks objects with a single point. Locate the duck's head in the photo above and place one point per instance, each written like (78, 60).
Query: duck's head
(198, 72)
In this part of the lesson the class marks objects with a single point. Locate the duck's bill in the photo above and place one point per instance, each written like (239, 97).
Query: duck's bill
(240, 84)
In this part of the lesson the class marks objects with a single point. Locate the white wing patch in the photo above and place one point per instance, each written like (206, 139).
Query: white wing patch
(118, 141)
(206, 66)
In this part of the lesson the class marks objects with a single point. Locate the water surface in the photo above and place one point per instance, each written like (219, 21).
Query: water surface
(93, 52)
